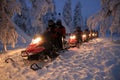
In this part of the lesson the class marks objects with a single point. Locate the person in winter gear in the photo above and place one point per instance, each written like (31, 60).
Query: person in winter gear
(47, 35)
(47, 41)
(87, 32)
(50, 37)
(78, 32)
(53, 32)
(61, 32)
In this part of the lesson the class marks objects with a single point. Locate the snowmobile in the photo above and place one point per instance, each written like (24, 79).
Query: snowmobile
(95, 34)
(36, 50)
(73, 41)
(84, 37)
(33, 48)
(36, 54)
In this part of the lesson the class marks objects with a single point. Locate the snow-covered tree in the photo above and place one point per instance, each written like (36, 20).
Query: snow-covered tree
(50, 14)
(67, 14)
(111, 12)
(85, 24)
(39, 10)
(105, 25)
(32, 16)
(77, 18)
(8, 34)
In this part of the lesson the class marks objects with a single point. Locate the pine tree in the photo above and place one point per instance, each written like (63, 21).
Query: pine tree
(8, 34)
(77, 18)
(67, 16)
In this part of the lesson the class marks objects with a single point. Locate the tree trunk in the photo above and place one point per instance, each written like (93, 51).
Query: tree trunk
(5, 47)
(111, 35)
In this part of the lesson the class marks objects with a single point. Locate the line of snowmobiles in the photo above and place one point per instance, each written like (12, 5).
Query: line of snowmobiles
(36, 50)
(39, 50)
(85, 37)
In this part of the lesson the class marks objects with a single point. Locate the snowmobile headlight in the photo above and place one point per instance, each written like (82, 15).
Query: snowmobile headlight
(93, 34)
(89, 35)
(36, 40)
(84, 36)
(72, 37)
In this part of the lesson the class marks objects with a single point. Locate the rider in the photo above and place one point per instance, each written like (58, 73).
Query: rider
(50, 36)
(87, 32)
(61, 32)
(78, 33)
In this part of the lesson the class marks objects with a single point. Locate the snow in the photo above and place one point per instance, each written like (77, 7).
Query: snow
(98, 59)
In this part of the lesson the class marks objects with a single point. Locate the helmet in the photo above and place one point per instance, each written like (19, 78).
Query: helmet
(59, 22)
(78, 28)
(50, 22)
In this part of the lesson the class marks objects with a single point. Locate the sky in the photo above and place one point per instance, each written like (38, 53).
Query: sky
(88, 6)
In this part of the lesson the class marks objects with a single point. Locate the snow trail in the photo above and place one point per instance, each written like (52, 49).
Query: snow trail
(98, 59)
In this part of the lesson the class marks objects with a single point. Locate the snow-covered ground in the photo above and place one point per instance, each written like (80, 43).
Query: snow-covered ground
(99, 59)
